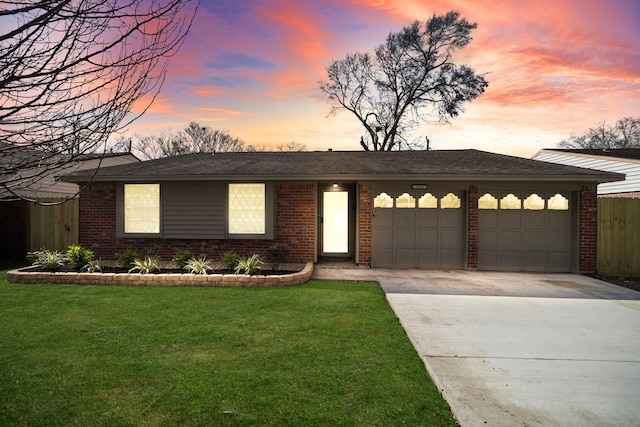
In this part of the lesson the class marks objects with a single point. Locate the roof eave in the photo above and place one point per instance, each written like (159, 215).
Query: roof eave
(591, 178)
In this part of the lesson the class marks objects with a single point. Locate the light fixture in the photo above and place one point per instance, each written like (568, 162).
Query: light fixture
(335, 185)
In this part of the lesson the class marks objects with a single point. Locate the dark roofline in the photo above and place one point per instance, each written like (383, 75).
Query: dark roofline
(441, 165)
(620, 153)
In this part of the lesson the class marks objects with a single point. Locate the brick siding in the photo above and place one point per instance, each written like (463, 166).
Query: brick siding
(588, 229)
(295, 228)
(472, 228)
(364, 224)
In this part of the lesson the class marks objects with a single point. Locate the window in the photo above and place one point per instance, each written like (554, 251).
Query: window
(405, 200)
(487, 201)
(534, 202)
(450, 201)
(428, 201)
(510, 201)
(558, 203)
(383, 200)
(247, 209)
(142, 208)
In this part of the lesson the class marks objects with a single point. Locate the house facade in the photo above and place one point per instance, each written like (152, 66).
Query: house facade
(458, 209)
(619, 160)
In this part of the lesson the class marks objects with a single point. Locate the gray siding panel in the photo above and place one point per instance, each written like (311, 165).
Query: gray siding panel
(629, 167)
(193, 210)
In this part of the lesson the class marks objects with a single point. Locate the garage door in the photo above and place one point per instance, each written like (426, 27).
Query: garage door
(524, 231)
(414, 229)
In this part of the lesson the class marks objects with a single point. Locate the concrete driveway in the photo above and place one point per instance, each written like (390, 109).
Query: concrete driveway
(517, 349)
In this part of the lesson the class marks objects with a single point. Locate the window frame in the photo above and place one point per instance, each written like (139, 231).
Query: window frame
(120, 215)
(269, 211)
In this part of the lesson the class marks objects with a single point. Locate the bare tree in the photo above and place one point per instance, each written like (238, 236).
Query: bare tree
(195, 138)
(71, 72)
(292, 146)
(624, 134)
(410, 76)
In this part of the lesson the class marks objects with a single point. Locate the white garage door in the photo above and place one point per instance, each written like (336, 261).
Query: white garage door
(520, 231)
(418, 229)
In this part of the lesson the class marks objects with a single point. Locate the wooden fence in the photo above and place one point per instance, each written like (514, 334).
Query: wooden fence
(619, 237)
(53, 227)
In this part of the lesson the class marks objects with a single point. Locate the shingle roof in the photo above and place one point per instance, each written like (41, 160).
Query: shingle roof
(440, 164)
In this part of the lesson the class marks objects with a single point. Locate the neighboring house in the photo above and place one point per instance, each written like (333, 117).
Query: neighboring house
(459, 209)
(623, 160)
(27, 226)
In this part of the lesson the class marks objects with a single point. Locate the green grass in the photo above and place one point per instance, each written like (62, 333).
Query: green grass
(324, 353)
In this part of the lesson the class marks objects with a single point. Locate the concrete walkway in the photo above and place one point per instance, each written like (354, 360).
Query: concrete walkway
(517, 349)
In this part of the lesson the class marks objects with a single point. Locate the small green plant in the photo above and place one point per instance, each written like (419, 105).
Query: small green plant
(78, 256)
(127, 258)
(230, 260)
(278, 254)
(181, 258)
(249, 266)
(198, 266)
(147, 265)
(93, 266)
(49, 260)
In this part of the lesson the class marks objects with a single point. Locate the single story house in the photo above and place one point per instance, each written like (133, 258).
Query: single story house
(450, 209)
(619, 160)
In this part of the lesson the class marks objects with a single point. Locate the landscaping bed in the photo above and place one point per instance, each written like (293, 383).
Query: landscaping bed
(287, 275)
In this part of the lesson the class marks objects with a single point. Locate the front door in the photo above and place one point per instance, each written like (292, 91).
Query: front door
(335, 223)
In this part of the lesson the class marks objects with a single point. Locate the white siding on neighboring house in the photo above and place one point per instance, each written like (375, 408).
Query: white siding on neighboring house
(629, 167)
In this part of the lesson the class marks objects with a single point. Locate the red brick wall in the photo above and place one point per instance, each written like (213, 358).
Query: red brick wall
(295, 228)
(472, 228)
(588, 230)
(364, 224)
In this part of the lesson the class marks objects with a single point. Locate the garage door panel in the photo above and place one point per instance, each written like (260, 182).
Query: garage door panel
(404, 217)
(450, 258)
(509, 260)
(428, 238)
(451, 238)
(509, 240)
(559, 240)
(382, 237)
(426, 235)
(535, 260)
(510, 219)
(534, 240)
(533, 220)
(488, 218)
(427, 217)
(428, 258)
(557, 261)
(405, 238)
(488, 259)
(558, 220)
(487, 240)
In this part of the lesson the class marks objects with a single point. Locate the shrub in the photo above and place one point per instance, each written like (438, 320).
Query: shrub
(278, 254)
(249, 266)
(198, 266)
(181, 258)
(146, 266)
(93, 266)
(230, 260)
(127, 258)
(49, 260)
(78, 256)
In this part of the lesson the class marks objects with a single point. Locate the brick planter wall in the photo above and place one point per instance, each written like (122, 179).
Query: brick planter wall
(117, 279)
(295, 228)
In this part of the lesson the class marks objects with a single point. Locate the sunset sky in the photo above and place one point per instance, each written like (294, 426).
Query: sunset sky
(252, 67)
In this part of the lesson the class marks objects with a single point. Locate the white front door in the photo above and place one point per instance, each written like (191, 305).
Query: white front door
(335, 222)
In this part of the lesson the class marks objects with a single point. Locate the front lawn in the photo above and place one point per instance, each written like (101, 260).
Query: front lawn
(324, 353)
